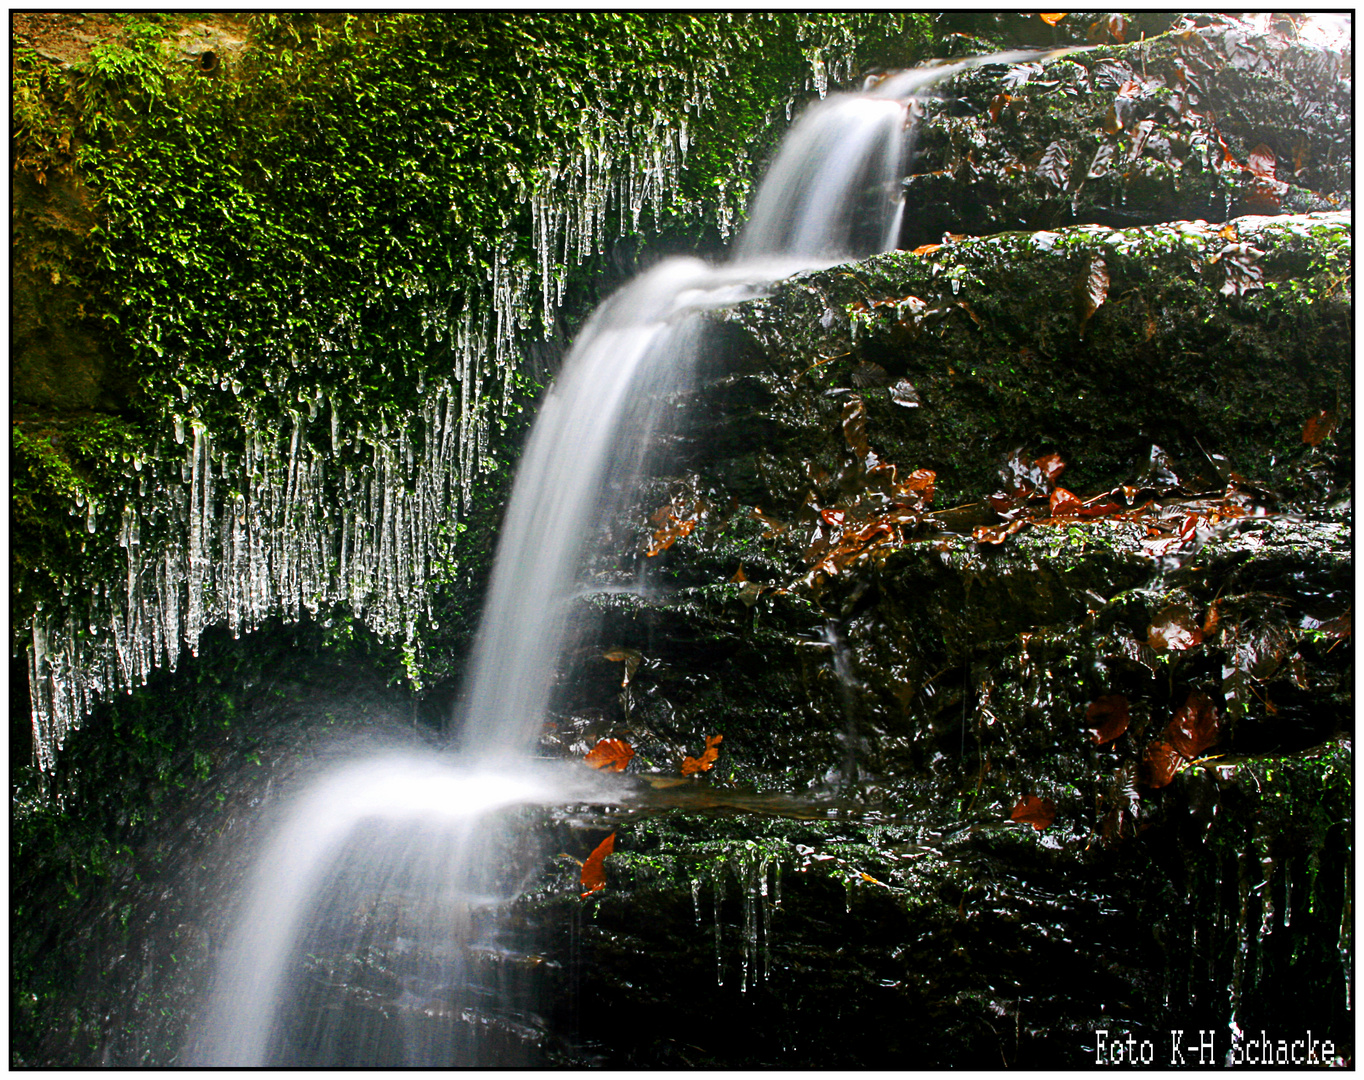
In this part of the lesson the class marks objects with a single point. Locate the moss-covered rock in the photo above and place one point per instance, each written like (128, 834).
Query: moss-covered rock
(1212, 122)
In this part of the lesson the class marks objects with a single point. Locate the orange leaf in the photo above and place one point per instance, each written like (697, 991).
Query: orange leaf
(594, 870)
(1318, 428)
(706, 761)
(1030, 810)
(997, 104)
(1194, 726)
(1108, 718)
(1051, 467)
(925, 249)
(613, 754)
(997, 534)
(1064, 504)
(918, 485)
(739, 576)
(1051, 18)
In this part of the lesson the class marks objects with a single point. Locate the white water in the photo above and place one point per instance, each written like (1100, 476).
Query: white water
(832, 192)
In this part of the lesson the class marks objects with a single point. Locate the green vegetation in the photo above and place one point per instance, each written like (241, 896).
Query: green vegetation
(315, 218)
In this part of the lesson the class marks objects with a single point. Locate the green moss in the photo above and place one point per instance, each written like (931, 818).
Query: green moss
(312, 221)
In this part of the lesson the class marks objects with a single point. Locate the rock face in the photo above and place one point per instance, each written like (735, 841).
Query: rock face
(1026, 559)
(1208, 122)
(1015, 573)
(1035, 742)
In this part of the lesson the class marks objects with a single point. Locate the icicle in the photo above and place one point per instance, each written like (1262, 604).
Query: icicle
(1238, 962)
(766, 910)
(717, 884)
(1345, 943)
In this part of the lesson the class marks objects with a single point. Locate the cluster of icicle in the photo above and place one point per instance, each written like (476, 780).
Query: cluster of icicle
(296, 518)
(235, 539)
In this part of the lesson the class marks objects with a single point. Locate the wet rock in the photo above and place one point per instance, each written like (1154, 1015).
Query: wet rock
(1204, 121)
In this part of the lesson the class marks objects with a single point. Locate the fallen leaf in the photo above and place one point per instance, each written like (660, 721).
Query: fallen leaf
(665, 781)
(1051, 18)
(675, 522)
(997, 534)
(1318, 428)
(1054, 167)
(868, 374)
(1103, 157)
(855, 427)
(1194, 726)
(613, 754)
(594, 869)
(1240, 264)
(739, 576)
(1176, 629)
(917, 486)
(925, 249)
(772, 526)
(1261, 161)
(1095, 289)
(903, 393)
(1160, 763)
(629, 657)
(1030, 810)
(1108, 718)
(997, 104)
(706, 761)
(1064, 504)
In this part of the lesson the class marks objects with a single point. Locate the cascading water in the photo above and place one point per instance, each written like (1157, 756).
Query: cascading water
(432, 830)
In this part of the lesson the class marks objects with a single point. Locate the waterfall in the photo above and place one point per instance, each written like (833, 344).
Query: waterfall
(832, 192)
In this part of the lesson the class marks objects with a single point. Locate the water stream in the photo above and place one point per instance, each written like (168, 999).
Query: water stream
(432, 830)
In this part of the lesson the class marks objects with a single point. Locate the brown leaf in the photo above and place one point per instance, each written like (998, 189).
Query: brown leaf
(1051, 18)
(1054, 167)
(904, 394)
(594, 869)
(1194, 726)
(739, 576)
(1030, 810)
(1064, 504)
(917, 486)
(1300, 148)
(1110, 28)
(1050, 466)
(613, 754)
(997, 104)
(868, 374)
(855, 427)
(675, 522)
(706, 761)
(629, 657)
(1175, 628)
(1108, 718)
(1240, 264)
(772, 526)
(925, 249)
(1159, 764)
(997, 534)
(1095, 289)
(1318, 428)
(1262, 161)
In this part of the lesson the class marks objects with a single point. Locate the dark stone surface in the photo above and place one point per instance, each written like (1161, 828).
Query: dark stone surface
(1211, 122)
